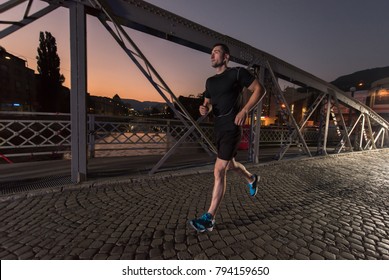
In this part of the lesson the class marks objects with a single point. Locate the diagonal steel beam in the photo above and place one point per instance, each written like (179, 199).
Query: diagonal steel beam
(371, 134)
(175, 147)
(291, 118)
(346, 134)
(15, 26)
(10, 4)
(303, 122)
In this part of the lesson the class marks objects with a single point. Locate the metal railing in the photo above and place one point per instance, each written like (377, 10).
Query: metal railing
(29, 134)
(138, 135)
(33, 134)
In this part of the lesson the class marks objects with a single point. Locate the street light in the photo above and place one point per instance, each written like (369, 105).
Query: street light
(350, 110)
(353, 89)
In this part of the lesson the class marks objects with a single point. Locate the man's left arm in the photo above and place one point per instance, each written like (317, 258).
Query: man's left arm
(257, 91)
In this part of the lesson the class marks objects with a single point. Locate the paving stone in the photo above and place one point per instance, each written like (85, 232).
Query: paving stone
(191, 240)
(247, 255)
(342, 240)
(288, 251)
(138, 256)
(218, 257)
(385, 256)
(250, 235)
(229, 240)
(301, 243)
(271, 249)
(385, 241)
(357, 247)
(300, 256)
(168, 245)
(383, 245)
(100, 257)
(372, 237)
(316, 256)
(184, 256)
(155, 252)
(382, 250)
(180, 247)
(227, 252)
(118, 250)
(201, 256)
(194, 249)
(347, 255)
(219, 244)
(88, 254)
(105, 248)
(169, 254)
(328, 255)
(202, 237)
(315, 248)
(319, 243)
(211, 251)
(26, 255)
(277, 243)
(128, 256)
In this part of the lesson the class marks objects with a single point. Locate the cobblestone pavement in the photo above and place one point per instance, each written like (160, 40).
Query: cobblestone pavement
(322, 208)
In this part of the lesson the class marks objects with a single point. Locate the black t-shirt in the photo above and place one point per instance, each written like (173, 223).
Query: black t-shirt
(224, 90)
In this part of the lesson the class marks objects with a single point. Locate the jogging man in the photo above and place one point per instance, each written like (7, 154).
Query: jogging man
(222, 96)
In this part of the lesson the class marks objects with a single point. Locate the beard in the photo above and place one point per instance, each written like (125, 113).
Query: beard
(217, 64)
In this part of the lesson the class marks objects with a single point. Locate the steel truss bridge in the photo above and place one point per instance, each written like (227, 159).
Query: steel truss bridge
(367, 130)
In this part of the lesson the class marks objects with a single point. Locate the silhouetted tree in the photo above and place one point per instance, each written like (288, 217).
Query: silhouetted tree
(51, 79)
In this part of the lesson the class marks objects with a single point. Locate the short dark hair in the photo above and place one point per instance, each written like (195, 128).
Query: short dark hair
(224, 47)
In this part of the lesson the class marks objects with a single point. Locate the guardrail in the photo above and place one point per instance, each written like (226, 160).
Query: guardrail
(33, 134)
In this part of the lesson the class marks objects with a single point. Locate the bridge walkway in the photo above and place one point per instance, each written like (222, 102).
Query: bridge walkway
(334, 207)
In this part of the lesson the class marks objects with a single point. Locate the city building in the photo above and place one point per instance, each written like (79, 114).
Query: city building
(299, 102)
(17, 84)
(379, 97)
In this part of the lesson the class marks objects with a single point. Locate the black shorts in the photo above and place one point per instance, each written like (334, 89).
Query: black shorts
(227, 143)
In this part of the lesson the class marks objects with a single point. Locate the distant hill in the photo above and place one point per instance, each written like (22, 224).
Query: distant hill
(366, 77)
(141, 105)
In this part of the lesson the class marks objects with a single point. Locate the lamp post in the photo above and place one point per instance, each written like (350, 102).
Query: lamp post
(352, 90)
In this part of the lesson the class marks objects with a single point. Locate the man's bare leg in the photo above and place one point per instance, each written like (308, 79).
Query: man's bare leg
(241, 170)
(219, 188)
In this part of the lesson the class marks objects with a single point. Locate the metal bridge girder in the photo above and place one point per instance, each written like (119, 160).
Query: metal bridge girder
(27, 19)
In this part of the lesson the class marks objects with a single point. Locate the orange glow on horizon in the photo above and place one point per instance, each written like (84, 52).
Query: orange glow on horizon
(109, 70)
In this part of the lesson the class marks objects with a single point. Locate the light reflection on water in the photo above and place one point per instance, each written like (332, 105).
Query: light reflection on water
(132, 144)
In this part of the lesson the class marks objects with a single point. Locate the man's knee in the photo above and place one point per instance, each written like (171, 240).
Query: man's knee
(220, 168)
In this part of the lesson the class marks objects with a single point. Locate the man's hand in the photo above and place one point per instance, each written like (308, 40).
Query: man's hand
(241, 118)
(203, 110)
(257, 91)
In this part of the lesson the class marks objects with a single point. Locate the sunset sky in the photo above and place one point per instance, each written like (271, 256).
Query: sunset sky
(326, 38)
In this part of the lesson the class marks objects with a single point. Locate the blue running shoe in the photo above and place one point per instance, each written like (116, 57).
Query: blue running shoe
(204, 223)
(253, 186)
